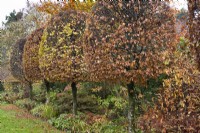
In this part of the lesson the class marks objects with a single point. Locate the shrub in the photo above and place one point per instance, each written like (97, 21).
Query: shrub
(84, 123)
(25, 103)
(12, 86)
(68, 123)
(39, 93)
(44, 111)
(11, 97)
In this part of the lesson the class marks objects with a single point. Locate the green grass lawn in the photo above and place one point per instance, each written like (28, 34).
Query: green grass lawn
(15, 120)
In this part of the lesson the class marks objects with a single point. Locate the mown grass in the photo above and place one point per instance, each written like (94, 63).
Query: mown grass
(15, 120)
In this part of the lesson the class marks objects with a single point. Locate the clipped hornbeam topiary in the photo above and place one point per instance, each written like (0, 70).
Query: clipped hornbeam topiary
(124, 41)
(31, 56)
(61, 53)
(17, 67)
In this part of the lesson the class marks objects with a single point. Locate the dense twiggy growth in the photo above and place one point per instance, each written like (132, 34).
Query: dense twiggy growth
(31, 56)
(61, 54)
(177, 107)
(124, 39)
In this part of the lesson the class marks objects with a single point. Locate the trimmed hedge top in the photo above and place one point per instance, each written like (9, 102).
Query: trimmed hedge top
(61, 52)
(124, 40)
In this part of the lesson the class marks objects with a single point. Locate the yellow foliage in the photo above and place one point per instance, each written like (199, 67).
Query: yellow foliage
(53, 8)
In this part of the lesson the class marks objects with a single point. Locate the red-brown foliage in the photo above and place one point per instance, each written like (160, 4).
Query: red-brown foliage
(177, 107)
(61, 52)
(124, 40)
(31, 56)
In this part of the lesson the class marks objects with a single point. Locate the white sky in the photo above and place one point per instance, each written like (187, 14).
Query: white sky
(7, 6)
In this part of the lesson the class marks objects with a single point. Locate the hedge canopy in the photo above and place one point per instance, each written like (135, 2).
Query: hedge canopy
(124, 40)
(31, 56)
(61, 53)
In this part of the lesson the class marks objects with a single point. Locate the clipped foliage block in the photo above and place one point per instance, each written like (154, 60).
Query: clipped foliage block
(61, 52)
(124, 40)
(31, 56)
(16, 60)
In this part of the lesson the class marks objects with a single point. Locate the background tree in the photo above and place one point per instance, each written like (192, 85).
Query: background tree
(12, 31)
(13, 17)
(17, 67)
(61, 53)
(124, 42)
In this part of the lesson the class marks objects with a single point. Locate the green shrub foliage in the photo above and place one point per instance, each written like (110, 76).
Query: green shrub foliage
(60, 53)
(16, 60)
(30, 56)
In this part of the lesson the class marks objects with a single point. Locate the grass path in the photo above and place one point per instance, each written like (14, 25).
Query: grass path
(15, 120)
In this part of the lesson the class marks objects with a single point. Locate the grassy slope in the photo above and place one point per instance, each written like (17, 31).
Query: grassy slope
(15, 120)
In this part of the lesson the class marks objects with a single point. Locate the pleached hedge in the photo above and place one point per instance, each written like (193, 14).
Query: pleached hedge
(61, 53)
(31, 56)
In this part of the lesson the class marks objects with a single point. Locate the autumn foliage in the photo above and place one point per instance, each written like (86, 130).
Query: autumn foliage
(124, 40)
(177, 106)
(119, 42)
(59, 6)
(61, 53)
(31, 56)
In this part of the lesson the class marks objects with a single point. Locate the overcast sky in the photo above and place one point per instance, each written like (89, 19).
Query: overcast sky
(7, 6)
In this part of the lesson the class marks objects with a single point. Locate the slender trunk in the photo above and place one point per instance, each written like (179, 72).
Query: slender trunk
(28, 90)
(47, 86)
(131, 108)
(74, 93)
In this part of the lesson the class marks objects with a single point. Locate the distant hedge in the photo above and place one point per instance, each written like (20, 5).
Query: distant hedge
(16, 60)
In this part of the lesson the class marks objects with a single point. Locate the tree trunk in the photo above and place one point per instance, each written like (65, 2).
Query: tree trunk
(131, 108)
(74, 93)
(28, 90)
(47, 86)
